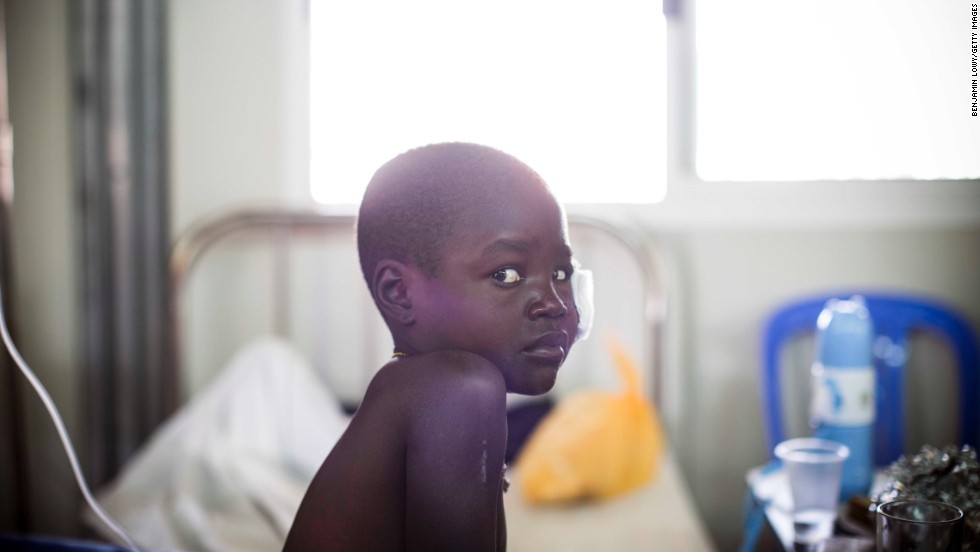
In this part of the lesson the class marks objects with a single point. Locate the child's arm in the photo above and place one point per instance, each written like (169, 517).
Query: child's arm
(455, 452)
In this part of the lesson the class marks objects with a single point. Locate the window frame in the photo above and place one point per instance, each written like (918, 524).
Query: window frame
(694, 202)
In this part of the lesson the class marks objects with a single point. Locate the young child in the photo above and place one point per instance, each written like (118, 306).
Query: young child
(466, 254)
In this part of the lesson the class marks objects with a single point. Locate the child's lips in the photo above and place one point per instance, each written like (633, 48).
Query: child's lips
(549, 348)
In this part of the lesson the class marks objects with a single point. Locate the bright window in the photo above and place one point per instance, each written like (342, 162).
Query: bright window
(575, 89)
(835, 89)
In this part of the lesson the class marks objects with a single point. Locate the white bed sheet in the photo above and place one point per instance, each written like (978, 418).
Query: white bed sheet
(228, 471)
(658, 516)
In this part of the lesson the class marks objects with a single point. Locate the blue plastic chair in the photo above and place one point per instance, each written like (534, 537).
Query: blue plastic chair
(894, 317)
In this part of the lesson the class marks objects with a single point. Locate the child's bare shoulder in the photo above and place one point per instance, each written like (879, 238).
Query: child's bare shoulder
(442, 371)
(442, 378)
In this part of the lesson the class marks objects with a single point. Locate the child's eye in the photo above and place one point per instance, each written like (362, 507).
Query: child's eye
(560, 275)
(507, 276)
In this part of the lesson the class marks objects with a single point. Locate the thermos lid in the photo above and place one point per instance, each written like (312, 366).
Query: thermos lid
(845, 333)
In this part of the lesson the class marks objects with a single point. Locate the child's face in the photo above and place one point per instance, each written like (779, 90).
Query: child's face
(503, 290)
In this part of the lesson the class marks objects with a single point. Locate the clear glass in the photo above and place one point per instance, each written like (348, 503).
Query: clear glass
(835, 89)
(575, 89)
(814, 470)
(919, 525)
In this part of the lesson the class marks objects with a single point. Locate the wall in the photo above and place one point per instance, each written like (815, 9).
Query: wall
(45, 249)
(238, 104)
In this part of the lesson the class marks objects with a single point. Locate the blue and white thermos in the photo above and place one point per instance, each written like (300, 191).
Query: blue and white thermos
(843, 405)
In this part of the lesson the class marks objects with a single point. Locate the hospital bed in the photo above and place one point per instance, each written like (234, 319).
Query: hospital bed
(297, 325)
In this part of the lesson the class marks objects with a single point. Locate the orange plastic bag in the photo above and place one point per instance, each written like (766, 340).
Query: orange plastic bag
(594, 444)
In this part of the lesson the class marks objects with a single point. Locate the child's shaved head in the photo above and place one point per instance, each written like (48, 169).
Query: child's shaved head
(418, 200)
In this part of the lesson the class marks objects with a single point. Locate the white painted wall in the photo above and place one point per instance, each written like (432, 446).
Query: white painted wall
(238, 97)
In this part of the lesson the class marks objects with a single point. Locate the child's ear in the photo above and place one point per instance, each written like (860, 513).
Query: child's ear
(391, 291)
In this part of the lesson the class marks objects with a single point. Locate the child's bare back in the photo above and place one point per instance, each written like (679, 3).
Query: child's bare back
(421, 462)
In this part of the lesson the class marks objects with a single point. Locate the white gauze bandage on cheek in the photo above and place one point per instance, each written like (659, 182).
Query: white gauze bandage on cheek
(583, 292)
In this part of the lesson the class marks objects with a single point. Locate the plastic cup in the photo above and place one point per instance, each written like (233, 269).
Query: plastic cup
(814, 470)
(919, 525)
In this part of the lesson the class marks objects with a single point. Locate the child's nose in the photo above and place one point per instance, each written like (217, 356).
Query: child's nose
(547, 304)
